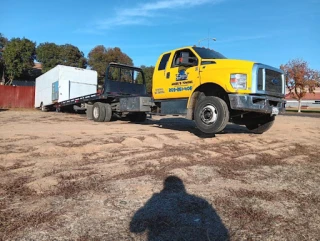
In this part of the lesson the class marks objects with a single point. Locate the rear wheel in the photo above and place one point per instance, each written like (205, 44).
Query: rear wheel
(211, 114)
(98, 112)
(108, 115)
(43, 108)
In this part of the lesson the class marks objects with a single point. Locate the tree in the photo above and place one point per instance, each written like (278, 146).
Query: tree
(100, 57)
(3, 43)
(18, 56)
(300, 79)
(148, 73)
(72, 56)
(51, 55)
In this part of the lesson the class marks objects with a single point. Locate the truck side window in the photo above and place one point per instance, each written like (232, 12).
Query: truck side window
(164, 61)
(178, 55)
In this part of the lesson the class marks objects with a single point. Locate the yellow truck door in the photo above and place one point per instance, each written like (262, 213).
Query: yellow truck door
(181, 79)
(159, 81)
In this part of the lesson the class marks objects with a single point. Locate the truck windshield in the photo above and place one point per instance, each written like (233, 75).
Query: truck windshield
(208, 53)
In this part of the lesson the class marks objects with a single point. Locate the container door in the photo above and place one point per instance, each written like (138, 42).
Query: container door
(77, 89)
(55, 91)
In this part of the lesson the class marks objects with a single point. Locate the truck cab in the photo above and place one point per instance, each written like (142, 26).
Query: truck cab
(213, 90)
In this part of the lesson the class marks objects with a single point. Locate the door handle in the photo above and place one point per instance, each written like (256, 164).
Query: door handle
(168, 75)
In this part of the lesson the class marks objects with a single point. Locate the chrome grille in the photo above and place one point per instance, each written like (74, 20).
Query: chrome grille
(267, 80)
(273, 81)
(260, 79)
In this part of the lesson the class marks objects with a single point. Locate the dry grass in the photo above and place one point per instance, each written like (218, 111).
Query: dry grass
(244, 217)
(262, 189)
(242, 210)
(12, 220)
(71, 186)
(251, 194)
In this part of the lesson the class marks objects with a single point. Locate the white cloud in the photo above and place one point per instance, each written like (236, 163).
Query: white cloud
(144, 13)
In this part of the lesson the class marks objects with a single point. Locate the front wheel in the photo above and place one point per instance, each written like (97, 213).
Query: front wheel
(137, 117)
(261, 125)
(211, 114)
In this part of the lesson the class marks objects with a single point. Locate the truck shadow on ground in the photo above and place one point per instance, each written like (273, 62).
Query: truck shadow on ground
(182, 124)
(173, 214)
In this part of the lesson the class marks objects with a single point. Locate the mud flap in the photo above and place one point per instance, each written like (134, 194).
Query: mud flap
(89, 112)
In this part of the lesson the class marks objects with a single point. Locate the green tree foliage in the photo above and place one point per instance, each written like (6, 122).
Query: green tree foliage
(51, 54)
(99, 58)
(19, 56)
(3, 43)
(72, 56)
(148, 73)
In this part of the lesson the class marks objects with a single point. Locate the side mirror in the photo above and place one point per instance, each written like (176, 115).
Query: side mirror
(185, 60)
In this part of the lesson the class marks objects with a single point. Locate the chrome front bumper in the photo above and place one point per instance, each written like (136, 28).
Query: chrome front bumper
(256, 103)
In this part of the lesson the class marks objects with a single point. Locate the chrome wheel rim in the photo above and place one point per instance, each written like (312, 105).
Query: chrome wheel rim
(95, 112)
(209, 114)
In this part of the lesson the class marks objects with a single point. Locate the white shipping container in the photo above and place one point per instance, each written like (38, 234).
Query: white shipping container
(63, 83)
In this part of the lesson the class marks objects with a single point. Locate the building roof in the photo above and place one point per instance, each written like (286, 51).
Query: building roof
(308, 96)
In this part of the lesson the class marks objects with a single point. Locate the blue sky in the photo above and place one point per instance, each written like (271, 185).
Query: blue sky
(270, 32)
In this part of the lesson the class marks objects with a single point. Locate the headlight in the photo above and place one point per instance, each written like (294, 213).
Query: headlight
(238, 81)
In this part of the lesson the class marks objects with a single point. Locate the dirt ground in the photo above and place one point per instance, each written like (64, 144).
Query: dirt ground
(63, 177)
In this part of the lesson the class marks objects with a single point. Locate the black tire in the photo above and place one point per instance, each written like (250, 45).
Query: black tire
(137, 117)
(201, 96)
(142, 117)
(211, 114)
(108, 112)
(98, 112)
(261, 125)
(43, 108)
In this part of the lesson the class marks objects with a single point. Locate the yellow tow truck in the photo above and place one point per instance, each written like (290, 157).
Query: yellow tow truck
(213, 90)
(197, 82)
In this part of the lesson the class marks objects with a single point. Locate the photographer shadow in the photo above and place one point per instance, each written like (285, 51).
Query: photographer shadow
(173, 214)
